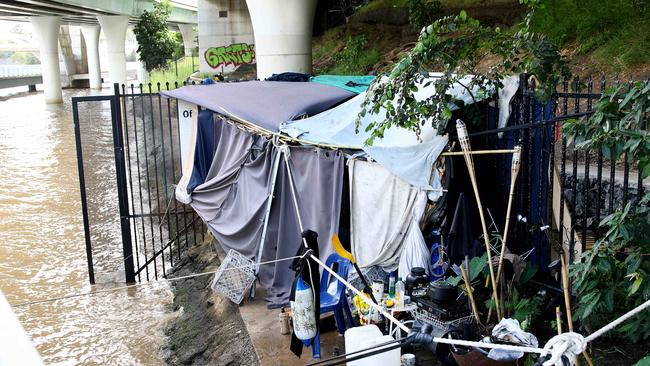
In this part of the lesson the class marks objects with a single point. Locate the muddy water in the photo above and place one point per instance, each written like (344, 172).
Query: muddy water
(42, 250)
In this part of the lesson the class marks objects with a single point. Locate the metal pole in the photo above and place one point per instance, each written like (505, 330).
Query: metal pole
(82, 190)
(274, 174)
(122, 194)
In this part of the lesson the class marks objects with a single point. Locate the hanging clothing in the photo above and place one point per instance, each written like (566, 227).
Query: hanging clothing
(461, 241)
(510, 87)
(385, 212)
(308, 270)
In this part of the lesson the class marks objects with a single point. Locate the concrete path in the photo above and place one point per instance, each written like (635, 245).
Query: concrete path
(272, 348)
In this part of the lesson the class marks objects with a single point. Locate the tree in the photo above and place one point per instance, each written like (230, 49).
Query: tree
(459, 46)
(156, 43)
(24, 58)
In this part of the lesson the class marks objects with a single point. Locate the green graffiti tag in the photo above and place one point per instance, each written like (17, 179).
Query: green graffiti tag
(236, 54)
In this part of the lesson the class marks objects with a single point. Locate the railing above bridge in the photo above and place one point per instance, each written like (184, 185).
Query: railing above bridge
(16, 71)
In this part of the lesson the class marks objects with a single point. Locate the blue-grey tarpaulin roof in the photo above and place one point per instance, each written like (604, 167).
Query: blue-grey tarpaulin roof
(263, 103)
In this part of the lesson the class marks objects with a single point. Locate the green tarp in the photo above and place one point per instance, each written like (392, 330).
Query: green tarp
(355, 84)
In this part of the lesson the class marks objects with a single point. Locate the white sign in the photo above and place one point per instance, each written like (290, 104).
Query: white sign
(188, 114)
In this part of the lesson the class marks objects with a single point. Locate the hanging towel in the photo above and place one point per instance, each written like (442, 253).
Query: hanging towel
(385, 211)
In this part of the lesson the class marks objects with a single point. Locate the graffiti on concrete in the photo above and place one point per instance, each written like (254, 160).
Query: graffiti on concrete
(236, 54)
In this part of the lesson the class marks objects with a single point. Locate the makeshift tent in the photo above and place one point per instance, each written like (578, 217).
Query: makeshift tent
(245, 195)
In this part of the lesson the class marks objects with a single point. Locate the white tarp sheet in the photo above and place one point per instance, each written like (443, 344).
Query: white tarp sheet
(384, 219)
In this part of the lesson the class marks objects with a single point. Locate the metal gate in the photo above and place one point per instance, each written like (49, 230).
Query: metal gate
(154, 227)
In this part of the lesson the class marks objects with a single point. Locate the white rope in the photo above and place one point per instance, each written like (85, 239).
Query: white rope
(163, 280)
(618, 321)
(566, 344)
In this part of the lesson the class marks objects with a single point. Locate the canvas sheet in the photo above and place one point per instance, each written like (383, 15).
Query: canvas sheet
(233, 199)
(401, 151)
(385, 213)
(263, 103)
(337, 125)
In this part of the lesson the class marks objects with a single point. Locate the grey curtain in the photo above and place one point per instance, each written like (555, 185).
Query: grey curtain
(233, 199)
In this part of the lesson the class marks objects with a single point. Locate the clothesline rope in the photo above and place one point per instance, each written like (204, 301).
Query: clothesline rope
(569, 344)
(163, 280)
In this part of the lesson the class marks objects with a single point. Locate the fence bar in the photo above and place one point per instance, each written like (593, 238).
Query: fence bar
(122, 194)
(128, 162)
(599, 178)
(82, 190)
(137, 164)
(148, 188)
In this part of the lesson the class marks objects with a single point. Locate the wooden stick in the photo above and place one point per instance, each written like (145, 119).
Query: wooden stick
(470, 294)
(558, 319)
(479, 152)
(514, 173)
(565, 288)
(567, 301)
(465, 146)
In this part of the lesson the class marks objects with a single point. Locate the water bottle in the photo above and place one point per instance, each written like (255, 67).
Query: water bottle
(400, 291)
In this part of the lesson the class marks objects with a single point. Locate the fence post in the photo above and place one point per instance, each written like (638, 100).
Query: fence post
(122, 194)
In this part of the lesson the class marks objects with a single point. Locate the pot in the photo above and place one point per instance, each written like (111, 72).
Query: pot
(442, 291)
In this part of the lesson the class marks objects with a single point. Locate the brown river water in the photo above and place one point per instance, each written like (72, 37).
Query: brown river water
(42, 249)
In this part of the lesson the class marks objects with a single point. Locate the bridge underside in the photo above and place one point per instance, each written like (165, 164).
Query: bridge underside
(86, 11)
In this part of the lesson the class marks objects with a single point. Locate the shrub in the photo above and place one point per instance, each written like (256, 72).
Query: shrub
(156, 43)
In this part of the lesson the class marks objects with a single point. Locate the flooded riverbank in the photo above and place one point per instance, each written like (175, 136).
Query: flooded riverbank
(42, 252)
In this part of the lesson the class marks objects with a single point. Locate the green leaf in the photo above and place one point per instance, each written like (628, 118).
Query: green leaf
(645, 361)
(528, 273)
(635, 286)
(463, 15)
(590, 301)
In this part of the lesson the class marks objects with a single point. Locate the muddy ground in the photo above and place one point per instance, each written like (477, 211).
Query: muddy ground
(208, 329)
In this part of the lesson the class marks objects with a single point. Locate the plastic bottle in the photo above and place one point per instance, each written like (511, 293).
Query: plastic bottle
(400, 291)
(284, 322)
(391, 285)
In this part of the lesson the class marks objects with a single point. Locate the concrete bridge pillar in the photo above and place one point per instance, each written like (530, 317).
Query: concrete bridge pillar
(187, 31)
(114, 27)
(46, 29)
(283, 30)
(91, 38)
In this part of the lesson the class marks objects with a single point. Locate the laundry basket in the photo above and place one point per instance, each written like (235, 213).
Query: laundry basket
(234, 277)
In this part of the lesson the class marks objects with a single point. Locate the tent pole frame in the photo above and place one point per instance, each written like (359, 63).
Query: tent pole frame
(269, 202)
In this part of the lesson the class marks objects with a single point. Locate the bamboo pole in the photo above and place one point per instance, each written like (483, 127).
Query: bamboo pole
(480, 152)
(470, 294)
(558, 319)
(567, 301)
(514, 173)
(463, 138)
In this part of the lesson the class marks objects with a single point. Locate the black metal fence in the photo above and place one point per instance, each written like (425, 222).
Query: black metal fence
(571, 190)
(568, 189)
(154, 227)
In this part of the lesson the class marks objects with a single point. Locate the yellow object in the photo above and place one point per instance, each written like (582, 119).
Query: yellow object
(389, 303)
(338, 248)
